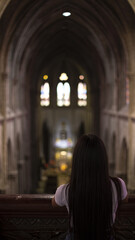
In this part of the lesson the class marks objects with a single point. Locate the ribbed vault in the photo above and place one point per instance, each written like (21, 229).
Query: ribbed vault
(96, 40)
(34, 33)
(35, 36)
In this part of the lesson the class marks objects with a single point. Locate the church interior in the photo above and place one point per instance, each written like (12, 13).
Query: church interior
(67, 67)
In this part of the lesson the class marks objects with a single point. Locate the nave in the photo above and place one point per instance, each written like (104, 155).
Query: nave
(66, 68)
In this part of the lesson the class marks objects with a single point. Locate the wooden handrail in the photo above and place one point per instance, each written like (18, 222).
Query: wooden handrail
(33, 217)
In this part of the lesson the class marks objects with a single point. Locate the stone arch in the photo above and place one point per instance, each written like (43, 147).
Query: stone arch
(9, 155)
(123, 160)
(0, 162)
(19, 164)
(1, 172)
(113, 155)
(10, 172)
(46, 141)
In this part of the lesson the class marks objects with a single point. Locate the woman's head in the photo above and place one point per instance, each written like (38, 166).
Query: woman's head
(90, 158)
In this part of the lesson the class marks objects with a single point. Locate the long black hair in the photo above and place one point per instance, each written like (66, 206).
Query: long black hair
(90, 191)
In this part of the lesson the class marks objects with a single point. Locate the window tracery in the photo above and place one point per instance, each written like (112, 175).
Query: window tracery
(45, 94)
(63, 94)
(82, 92)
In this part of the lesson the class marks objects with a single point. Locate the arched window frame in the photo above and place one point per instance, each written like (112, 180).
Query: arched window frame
(45, 94)
(63, 94)
(82, 94)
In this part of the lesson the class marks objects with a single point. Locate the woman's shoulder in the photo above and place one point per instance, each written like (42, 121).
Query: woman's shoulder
(62, 187)
(119, 182)
(60, 195)
(61, 190)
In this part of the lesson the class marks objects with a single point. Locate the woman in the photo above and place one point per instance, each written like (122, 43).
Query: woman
(91, 197)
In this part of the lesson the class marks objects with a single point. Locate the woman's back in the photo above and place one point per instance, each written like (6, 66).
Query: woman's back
(90, 191)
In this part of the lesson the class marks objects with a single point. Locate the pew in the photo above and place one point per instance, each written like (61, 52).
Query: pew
(24, 217)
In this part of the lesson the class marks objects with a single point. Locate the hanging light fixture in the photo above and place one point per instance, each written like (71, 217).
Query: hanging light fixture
(66, 14)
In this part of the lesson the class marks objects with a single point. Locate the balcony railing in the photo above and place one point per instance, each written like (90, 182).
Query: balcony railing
(24, 217)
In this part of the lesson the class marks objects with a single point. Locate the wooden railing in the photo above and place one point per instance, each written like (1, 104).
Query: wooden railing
(24, 217)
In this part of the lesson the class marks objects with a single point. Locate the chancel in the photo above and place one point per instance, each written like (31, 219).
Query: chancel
(63, 150)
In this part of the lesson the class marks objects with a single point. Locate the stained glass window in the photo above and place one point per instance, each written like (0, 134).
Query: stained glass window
(45, 94)
(82, 94)
(63, 94)
(63, 77)
(45, 77)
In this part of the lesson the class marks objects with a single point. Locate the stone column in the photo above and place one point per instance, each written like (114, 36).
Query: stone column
(131, 123)
(21, 176)
(115, 95)
(3, 77)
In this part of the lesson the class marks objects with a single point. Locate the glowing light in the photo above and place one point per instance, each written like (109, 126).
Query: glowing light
(82, 91)
(63, 143)
(44, 95)
(82, 103)
(63, 77)
(45, 77)
(63, 167)
(66, 14)
(81, 77)
(63, 94)
(57, 155)
(63, 153)
(82, 94)
(66, 91)
(44, 103)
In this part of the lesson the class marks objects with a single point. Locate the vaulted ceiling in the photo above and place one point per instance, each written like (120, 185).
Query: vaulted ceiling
(36, 36)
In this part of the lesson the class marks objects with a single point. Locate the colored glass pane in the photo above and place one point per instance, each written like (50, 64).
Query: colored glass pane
(82, 94)
(63, 94)
(45, 95)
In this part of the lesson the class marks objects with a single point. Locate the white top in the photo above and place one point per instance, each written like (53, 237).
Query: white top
(62, 200)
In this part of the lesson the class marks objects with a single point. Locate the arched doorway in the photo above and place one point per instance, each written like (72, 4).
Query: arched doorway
(123, 166)
(113, 155)
(19, 165)
(10, 171)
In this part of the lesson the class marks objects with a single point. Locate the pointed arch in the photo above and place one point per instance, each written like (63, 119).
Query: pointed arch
(9, 155)
(82, 94)
(63, 94)
(123, 166)
(113, 155)
(45, 94)
(19, 165)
